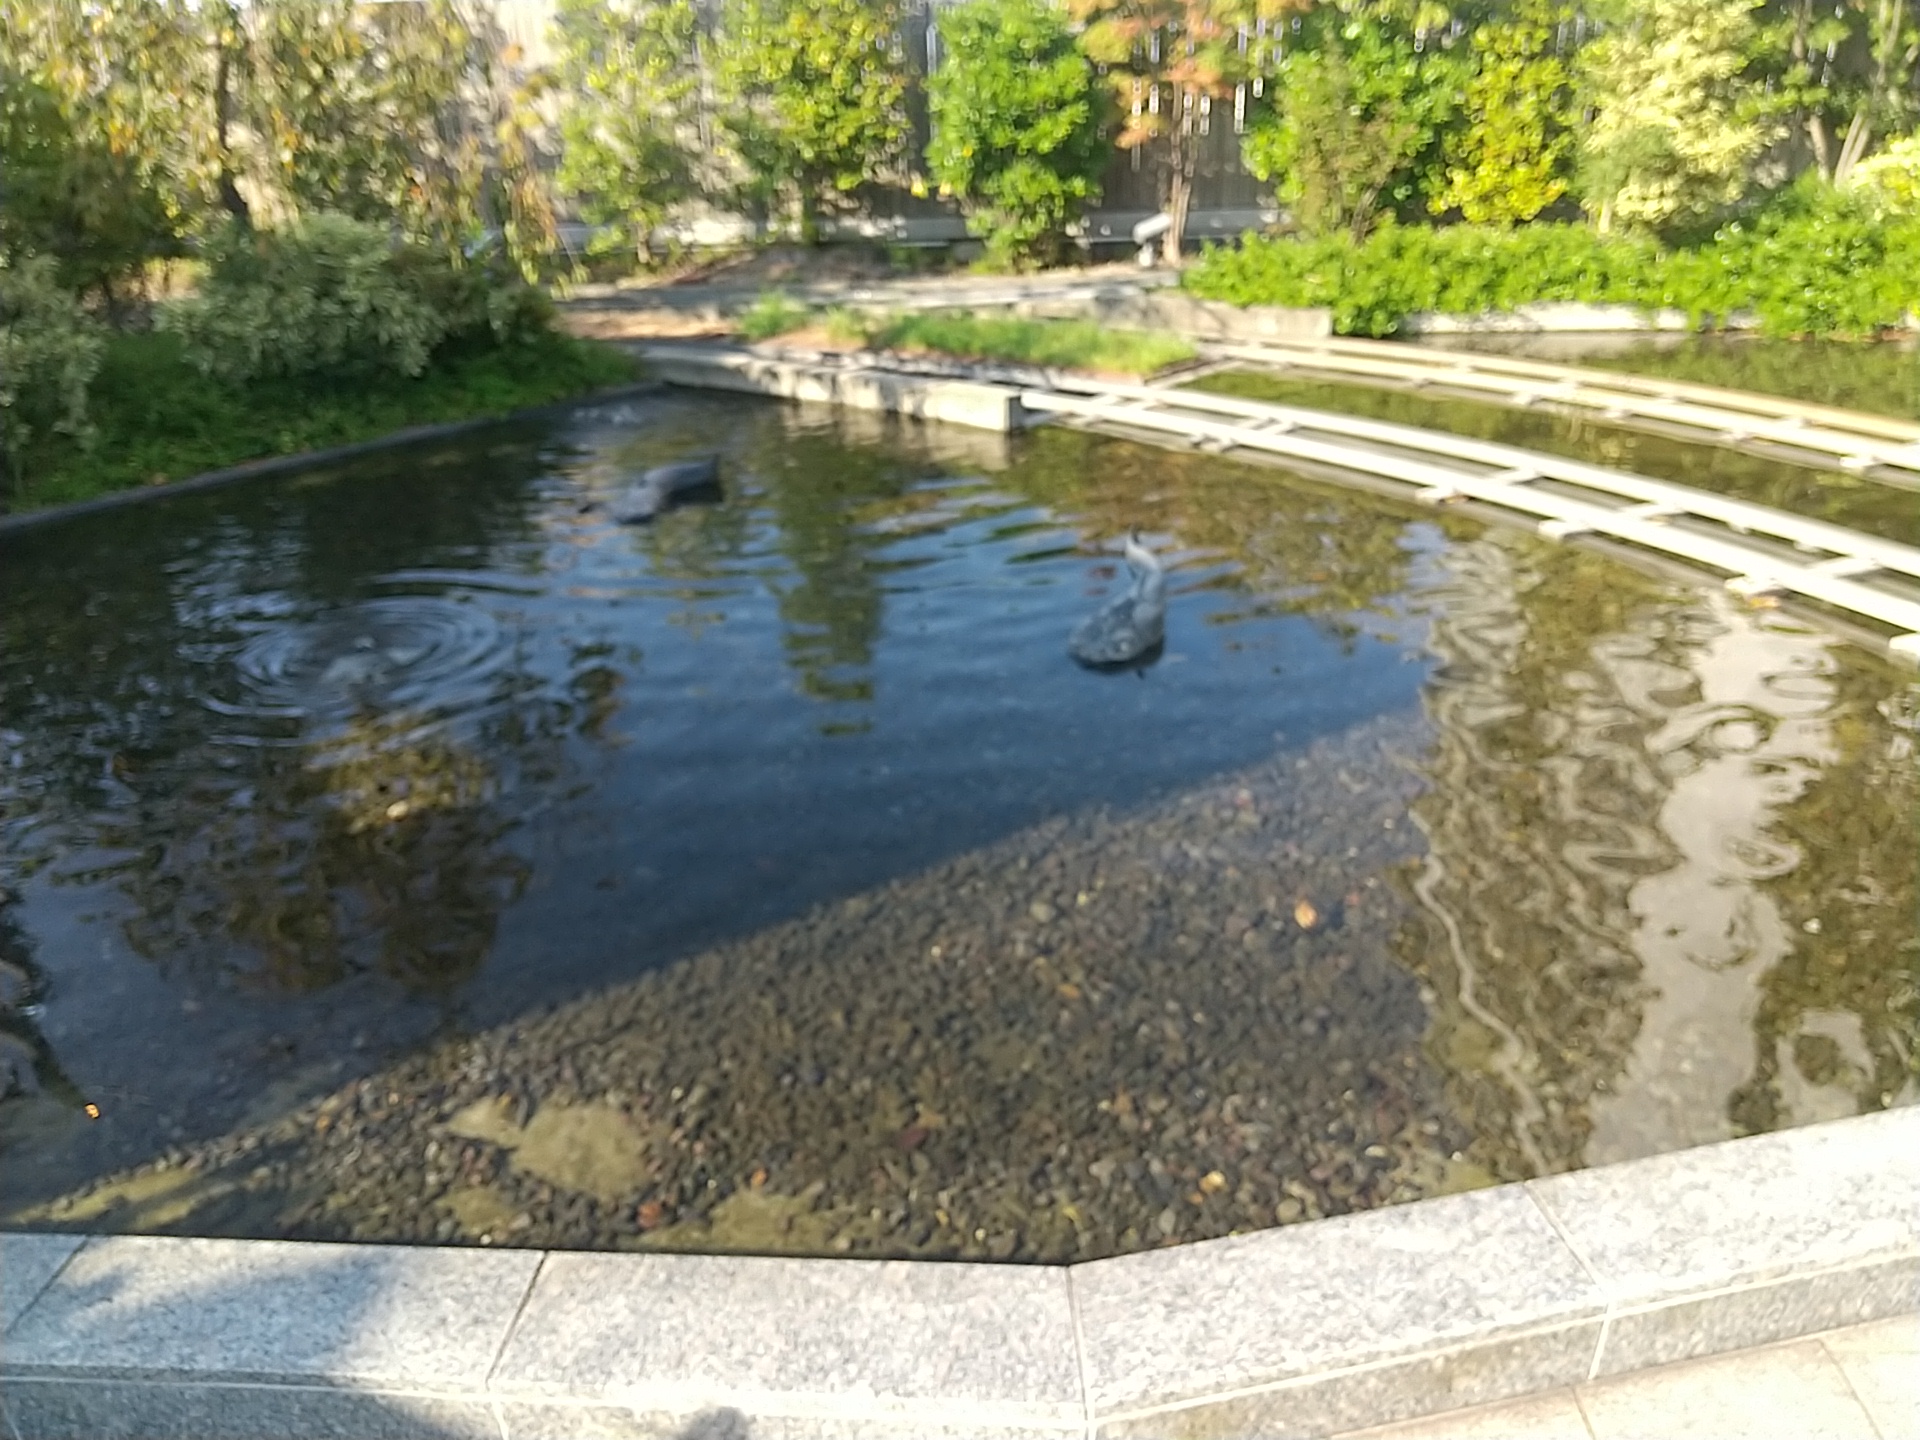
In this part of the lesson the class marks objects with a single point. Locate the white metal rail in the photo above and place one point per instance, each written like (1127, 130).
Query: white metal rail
(1761, 550)
(1877, 445)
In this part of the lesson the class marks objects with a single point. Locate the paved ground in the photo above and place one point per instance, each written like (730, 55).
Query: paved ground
(1858, 1384)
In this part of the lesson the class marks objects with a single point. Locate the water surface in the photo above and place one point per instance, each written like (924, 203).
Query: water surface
(408, 852)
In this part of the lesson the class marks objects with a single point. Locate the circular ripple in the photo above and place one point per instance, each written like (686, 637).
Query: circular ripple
(412, 652)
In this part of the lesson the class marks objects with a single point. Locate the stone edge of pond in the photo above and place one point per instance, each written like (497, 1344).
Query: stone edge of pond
(977, 404)
(314, 459)
(1310, 1329)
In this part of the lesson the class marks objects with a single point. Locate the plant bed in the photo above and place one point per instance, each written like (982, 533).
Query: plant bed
(157, 419)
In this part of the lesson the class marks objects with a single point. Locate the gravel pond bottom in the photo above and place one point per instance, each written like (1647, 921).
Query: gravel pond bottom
(1485, 859)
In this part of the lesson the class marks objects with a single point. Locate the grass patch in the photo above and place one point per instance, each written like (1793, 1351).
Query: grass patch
(156, 418)
(774, 313)
(1066, 344)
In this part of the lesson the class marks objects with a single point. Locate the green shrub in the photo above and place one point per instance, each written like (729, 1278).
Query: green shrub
(1016, 126)
(773, 313)
(335, 297)
(49, 352)
(1816, 264)
(1890, 181)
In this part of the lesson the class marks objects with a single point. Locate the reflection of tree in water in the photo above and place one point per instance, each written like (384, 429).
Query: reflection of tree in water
(1639, 803)
(377, 850)
(832, 604)
(1842, 1009)
(292, 848)
(1541, 816)
(26, 1061)
(1303, 549)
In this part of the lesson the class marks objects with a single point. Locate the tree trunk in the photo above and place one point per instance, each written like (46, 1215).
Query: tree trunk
(231, 200)
(1811, 120)
(1180, 169)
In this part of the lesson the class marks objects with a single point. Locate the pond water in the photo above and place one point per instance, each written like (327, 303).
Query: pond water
(1880, 376)
(1876, 507)
(409, 852)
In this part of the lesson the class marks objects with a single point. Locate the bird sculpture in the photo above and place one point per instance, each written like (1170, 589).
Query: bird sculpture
(1130, 627)
(665, 486)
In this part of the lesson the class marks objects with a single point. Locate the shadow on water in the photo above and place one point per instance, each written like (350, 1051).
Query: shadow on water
(768, 878)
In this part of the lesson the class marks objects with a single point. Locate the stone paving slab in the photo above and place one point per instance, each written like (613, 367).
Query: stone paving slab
(1522, 1290)
(1313, 1327)
(147, 1307)
(1726, 1247)
(27, 1263)
(1800, 1389)
(832, 1340)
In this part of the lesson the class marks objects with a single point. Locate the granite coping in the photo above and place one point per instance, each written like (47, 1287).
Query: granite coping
(1304, 1330)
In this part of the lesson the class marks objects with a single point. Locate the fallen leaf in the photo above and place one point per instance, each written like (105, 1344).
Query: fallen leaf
(1213, 1182)
(651, 1215)
(1305, 916)
(758, 1178)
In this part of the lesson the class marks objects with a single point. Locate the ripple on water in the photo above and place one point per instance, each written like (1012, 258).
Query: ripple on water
(432, 654)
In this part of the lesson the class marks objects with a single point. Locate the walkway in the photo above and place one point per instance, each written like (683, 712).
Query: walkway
(1861, 1383)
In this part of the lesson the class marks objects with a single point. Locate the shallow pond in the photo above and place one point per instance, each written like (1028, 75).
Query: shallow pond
(412, 853)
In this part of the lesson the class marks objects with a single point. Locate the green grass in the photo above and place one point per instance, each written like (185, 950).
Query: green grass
(157, 419)
(773, 313)
(1067, 344)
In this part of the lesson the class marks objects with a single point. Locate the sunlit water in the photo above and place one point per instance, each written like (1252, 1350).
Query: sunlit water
(1425, 855)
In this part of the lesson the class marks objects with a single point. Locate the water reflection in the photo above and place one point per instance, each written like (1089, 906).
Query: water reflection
(1869, 505)
(1636, 849)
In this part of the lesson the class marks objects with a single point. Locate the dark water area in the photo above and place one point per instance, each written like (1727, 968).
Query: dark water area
(410, 852)
(1875, 507)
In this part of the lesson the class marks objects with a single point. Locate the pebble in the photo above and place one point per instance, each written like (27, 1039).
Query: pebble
(1179, 1060)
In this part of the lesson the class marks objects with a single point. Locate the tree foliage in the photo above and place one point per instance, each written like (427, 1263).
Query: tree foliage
(1356, 108)
(814, 96)
(1169, 62)
(1512, 158)
(67, 195)
(1017, 132)
(629, 72)
(1676, 122)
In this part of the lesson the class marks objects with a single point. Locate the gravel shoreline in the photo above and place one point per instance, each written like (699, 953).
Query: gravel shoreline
(1107, 1033)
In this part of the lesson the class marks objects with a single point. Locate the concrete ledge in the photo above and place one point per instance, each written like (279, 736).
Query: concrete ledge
(1556, 317)
(954, 402)
(1302, 1331)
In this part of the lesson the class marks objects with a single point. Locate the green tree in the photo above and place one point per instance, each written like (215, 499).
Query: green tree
(1168, 62)
(66, 195)
(1676, 122)
(1357, 106)
(365, 110)
(102, 156)
(1844, 73)
(814, 93)
(1017, 132)
(1513, 157)
(628, 72)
